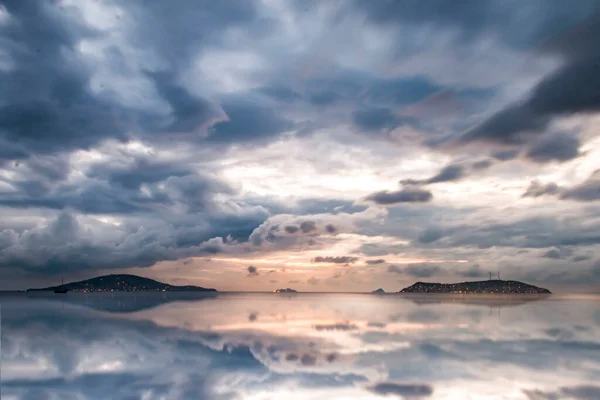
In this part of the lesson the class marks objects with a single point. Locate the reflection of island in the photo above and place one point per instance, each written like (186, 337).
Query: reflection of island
(492, 286)
(121, 283)
(287, 290)
(493, 301)
(126, 302)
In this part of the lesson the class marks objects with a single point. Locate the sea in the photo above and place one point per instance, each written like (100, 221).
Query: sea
(259, 346)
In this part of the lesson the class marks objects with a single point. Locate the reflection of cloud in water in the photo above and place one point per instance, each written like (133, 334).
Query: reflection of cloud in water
(326, 347)
(409, 391)
(340, 326)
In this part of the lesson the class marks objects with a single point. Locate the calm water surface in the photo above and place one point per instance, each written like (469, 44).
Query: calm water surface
(304, 346)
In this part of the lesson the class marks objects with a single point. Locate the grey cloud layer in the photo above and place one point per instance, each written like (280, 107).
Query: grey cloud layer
(588, 190)
(405, 195)
(566, 91)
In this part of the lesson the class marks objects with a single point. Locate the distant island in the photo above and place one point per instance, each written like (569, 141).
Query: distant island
(489, 286)
(378, 291)
(120, 283)
(287, 290)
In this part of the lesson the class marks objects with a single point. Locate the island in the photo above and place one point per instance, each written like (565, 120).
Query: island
(287, 290)
(378, 291)
(492, 286)
(120, 283)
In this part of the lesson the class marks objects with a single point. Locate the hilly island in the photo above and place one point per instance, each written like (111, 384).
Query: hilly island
(490, 286)
(121, 283)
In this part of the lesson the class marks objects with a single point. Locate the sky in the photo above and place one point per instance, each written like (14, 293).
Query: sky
(323, 146)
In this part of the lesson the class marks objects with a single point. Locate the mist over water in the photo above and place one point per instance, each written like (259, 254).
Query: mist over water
(299, 346)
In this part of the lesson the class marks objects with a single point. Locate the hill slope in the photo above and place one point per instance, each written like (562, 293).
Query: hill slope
(491, 286)
(122, 283)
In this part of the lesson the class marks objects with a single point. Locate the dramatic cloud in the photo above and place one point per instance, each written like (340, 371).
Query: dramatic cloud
(75, 243)
(559, 253)
(567, 392)
(447, 174)
(586, 191)
(335, 260)
(406, 195)
(375, 119)
(137, 136)
(564, 92)
(559, 147)
(589, 190)
(537, 189)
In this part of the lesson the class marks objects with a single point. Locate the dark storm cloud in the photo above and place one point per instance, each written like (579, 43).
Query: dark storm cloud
(252, 271)
(329, 228)
(430, 235)
(404, 390)
(557, 147)
(120, 193)
(51, 107)
(140, 171)
(483, 164)
(505, 155)
(308, 360)
(583, 392)
(449, 173)
(67, 244)
(291, 229)
(589, 190)
(335, 260)
(537, 189)
(375, 119)
(536, 232)
(375, 99)
(567, 91)
(239, 118)
(581, 258)
(308, 226)
(177, 29)
(280, 93)
(558, 253)
(471, 19)
(188, 112)
(405, 195)
(247, 121)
